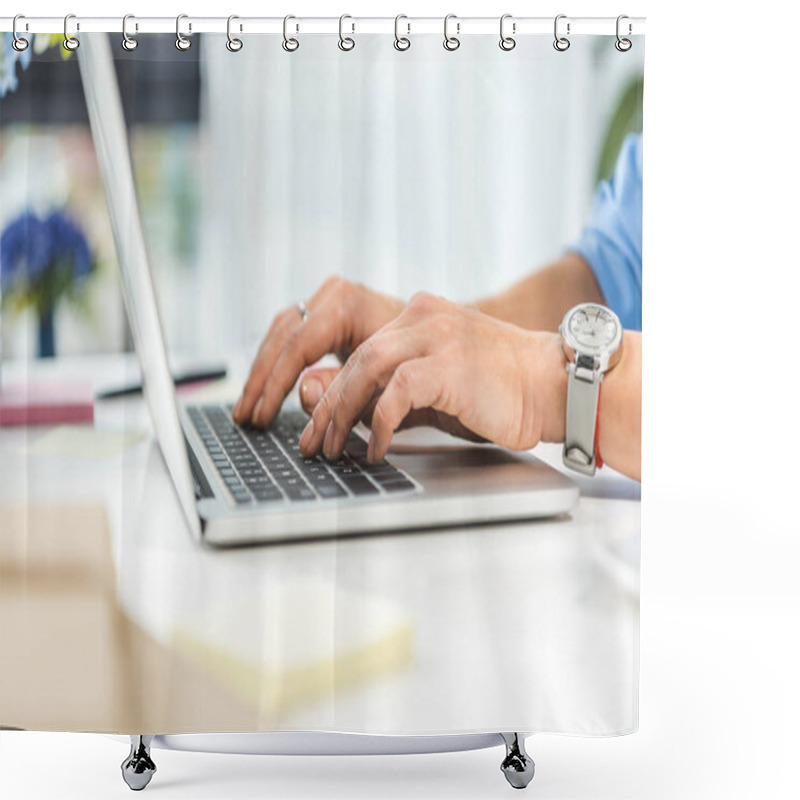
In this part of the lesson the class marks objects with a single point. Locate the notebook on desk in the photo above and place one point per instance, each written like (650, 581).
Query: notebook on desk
(244, 485)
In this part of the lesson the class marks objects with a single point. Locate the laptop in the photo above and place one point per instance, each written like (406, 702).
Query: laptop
(242, 485)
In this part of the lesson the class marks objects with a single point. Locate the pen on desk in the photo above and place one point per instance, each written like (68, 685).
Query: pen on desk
(194, 376)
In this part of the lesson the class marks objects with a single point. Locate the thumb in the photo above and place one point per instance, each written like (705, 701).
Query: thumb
(313, 385)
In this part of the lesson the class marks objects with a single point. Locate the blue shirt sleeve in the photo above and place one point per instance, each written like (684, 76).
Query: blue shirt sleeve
(611, 242)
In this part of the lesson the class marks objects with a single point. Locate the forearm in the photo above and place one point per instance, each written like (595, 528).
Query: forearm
(539, 301)
(620, 419)
(620, 410)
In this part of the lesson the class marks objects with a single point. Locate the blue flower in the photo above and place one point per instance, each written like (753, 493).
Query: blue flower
(68, 243)
(8, 63)
(31, 249)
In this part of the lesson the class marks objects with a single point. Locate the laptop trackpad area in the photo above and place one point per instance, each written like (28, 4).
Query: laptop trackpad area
(477, 470)
(445, 464)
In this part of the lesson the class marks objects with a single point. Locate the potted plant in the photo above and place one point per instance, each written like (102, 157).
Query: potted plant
(41, 261)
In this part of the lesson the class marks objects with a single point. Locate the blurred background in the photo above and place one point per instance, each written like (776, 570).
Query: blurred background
(260, 173)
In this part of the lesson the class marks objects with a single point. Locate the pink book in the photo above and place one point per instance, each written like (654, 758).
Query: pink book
(46, 403)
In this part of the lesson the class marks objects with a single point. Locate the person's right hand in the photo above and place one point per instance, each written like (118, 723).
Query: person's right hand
(341, 315)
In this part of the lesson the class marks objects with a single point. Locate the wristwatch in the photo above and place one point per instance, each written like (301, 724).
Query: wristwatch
(591, 337)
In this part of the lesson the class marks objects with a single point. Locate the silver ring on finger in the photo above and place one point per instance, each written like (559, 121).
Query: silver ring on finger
(303, 309)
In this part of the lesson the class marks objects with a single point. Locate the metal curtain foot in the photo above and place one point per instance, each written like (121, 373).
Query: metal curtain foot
(138, 768)
(517, 766)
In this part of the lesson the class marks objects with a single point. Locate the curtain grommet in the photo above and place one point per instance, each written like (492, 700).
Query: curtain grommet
(181, 42)
(70, 43)
(622, 44)
(561, 43)
(233, 44)
(19, 43)
(346, 43)
(451, 43)
(289, 44)
(401, 43)
(128, 42)
(507, 43)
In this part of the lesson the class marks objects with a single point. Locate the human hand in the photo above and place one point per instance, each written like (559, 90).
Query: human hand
(341, 315)
(458, 367)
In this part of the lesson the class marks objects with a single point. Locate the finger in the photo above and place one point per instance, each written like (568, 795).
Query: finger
(428, 417)
(367, 371)
(328, 300)
(268, 351)
(313, 385)
(303, 346)
(354, 394)
(418, 384)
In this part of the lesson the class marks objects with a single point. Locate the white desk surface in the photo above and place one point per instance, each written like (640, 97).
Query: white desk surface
(526, 626)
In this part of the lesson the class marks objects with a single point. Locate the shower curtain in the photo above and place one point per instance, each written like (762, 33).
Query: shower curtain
(260, 173)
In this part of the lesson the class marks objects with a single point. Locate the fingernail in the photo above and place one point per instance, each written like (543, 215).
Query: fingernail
(311, 392)
(371, 450)
(306, 435)
(327, 445)
(260, 403)
(237, 408)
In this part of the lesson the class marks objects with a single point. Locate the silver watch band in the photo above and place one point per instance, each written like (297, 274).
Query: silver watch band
(583, 394)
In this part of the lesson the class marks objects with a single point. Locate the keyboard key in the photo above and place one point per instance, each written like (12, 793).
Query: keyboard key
(331, 489)
(342, 466)
(299, 493)
(381, 466)
(282, 475)
(258, 477)
(267, 494)
(320, 478)
(355, 446)
(359, 485)
(401, 485)
(314, 469)
(387, 477)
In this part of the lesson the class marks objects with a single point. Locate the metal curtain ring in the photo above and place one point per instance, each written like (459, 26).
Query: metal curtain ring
(128, 43)
(623, 45)
(234, 45)
(70, 42)
(561, 43)
(181, 42)
(19, 44)
(507, 42)
(401, 43)
(346, 43)
(289, 45)
(451, 43)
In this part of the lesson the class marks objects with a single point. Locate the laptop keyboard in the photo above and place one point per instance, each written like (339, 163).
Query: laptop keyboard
(265, 465)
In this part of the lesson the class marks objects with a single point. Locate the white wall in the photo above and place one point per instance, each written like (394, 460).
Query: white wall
(451, 172)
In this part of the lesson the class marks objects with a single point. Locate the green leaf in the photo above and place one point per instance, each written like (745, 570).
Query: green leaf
(626, 118)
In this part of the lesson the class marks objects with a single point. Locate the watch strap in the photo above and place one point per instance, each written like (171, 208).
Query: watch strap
(583, 395)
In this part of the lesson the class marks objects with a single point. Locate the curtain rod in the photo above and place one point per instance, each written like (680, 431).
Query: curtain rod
(462, 26)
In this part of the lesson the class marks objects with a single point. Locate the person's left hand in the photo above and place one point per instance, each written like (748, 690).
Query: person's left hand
(449, 365)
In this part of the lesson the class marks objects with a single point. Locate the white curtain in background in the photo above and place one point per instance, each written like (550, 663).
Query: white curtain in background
(454, 172)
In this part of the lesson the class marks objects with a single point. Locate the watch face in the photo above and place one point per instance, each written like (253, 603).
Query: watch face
(592, 330)
(593, 327)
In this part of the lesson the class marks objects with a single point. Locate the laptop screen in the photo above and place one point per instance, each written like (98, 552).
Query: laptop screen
(113, 155)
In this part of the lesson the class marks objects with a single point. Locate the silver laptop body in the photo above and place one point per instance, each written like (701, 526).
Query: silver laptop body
(423, 488)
